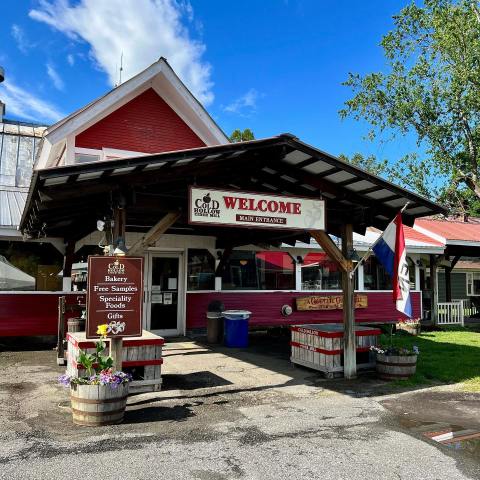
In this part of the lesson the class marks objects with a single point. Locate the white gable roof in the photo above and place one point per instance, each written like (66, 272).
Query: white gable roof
(159, 76)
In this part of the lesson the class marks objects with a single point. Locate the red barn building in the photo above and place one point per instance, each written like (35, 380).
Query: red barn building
(141, 145)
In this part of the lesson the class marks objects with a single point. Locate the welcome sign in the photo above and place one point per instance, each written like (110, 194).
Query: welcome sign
(209, 206)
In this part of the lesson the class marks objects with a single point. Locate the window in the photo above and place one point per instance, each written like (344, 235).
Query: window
(266, 270)
(320, 273)
(200, 270)
(375, 277)
(28, 266)
(473, 284)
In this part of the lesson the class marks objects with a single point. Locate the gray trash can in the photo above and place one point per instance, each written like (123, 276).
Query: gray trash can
(75, 325)
(215, 322)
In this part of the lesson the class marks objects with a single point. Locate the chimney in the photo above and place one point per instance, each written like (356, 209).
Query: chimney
(2, 105)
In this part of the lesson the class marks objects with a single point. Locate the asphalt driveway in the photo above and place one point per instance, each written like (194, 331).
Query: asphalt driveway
(229, 414)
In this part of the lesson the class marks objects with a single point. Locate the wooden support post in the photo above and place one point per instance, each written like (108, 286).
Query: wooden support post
(116, 352)
(154, 233)
(448, 284)
(119, 218)
(324, 240)
(116, 344)
(448, 278)
(67, 265)
(61, 332)
(348, 285)
(219, 270)
(433, 288)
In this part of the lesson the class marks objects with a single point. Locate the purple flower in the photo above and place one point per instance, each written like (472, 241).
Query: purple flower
(64, 380)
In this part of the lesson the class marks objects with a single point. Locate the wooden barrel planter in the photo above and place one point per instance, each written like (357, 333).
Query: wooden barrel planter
(396, 367)
(96, 405)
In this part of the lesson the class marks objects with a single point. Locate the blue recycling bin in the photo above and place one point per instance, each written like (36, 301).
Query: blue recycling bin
(236, 328)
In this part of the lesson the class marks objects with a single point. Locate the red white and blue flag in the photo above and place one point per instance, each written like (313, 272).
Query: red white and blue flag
(391, 252)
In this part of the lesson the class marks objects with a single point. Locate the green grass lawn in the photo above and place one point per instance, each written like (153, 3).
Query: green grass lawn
(451, 355)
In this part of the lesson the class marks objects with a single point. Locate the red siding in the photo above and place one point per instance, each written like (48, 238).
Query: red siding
(145, 124)
(266, 308)
(31, 314)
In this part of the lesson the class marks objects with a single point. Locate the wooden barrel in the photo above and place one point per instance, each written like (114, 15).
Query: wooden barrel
(396, 367)
(95, 405)
(75, 325)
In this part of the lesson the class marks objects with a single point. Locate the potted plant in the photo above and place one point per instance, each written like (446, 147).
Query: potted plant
(100, 397)
(395, 363)
(411, 326)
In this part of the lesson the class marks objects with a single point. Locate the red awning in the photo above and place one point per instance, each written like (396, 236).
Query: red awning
(276, 260)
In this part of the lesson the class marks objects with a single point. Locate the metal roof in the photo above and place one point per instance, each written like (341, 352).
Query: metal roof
(68, 198)
(450, 230)
(12, 204)
(18, 148)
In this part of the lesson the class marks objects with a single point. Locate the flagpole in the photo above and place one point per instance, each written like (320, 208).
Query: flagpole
(370, 249)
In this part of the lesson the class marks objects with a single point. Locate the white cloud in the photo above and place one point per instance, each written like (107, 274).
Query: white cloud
(143, 30)
(21, 39)
(55, 77)
(26, 105)
(244, 105)
(70, 59)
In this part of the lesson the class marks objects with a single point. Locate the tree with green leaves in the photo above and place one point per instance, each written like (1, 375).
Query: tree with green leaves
(239, 136)
(431, 88)
(370, 164)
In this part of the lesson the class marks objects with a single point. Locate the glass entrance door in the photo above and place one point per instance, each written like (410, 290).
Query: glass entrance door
(164, 296)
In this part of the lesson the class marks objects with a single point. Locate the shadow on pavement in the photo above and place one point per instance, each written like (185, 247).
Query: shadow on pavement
(192, 381)
(24, 344)
(177, 413)
(272, 352)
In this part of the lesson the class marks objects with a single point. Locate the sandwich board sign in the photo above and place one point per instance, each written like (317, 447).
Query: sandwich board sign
(115, 296)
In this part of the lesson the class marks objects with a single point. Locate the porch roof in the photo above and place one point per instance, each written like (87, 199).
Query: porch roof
(460, 238)
(67, 201)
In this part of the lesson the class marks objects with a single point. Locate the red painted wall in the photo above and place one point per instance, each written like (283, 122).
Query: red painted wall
(145, 124)
(31, 314)
(266, 308)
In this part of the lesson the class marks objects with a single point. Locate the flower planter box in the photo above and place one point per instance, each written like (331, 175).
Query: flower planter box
(396, 367)
(143, 352)
(96, 405)
(320, 347)
(411, 329)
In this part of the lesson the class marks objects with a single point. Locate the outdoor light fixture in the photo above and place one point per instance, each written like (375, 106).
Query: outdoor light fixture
(120, 247)
(100, 225)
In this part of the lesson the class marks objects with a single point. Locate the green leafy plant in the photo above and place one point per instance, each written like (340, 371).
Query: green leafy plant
(96, 362)
(98, 366)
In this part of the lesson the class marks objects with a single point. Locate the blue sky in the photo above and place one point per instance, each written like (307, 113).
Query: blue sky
(273, 65)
